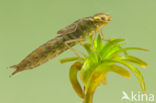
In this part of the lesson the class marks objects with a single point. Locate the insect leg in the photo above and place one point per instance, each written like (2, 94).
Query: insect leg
(74, 50)
(101, 35)
(104, 37)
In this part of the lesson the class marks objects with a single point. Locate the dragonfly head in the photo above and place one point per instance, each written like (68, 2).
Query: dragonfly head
(102, 18)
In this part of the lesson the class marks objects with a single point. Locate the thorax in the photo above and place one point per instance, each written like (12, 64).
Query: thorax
(88, 27)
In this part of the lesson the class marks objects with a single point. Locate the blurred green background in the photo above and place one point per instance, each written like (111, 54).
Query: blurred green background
(26, 24)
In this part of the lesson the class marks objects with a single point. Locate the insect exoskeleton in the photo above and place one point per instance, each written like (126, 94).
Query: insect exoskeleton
(78, 31)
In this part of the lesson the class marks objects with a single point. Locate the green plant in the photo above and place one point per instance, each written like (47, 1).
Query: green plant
(106, 56)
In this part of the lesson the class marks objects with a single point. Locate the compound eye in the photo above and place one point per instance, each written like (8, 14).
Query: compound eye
(103, 18)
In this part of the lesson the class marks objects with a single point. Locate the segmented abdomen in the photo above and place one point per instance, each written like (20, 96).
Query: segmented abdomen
(45, 52)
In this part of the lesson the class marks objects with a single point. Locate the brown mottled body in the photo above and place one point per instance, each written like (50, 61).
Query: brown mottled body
(42, 54)
(80, 29)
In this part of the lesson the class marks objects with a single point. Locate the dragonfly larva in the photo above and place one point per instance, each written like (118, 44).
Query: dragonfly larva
(79, 30)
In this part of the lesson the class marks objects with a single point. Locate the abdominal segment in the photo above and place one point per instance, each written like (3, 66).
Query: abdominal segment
(42, 54)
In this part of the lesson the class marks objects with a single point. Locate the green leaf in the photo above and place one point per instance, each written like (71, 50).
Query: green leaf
(119, 70)
(99, 41)
(92, 54)
(131, 48)
(135, 48)
(109, 46)
(99, 44)
(114, 51)
(136, 72)
(116, 69)
(69, 59)
(73, 78)
(87, 70)
(135, 60)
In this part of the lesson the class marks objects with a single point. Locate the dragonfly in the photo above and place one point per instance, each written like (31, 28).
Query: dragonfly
(77, 32)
